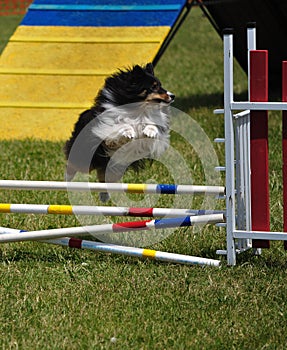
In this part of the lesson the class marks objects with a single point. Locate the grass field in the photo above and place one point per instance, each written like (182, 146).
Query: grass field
(57, 298)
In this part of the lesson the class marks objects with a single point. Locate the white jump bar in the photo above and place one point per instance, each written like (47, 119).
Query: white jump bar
(259, 106)
(272, 236)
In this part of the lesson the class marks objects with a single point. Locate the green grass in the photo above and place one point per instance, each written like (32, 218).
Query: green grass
(8, 24)
(57, 298)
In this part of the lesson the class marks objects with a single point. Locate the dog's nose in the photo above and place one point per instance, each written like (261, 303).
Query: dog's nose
(171, 95)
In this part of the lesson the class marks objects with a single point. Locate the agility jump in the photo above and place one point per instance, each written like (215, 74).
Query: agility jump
(247, 212)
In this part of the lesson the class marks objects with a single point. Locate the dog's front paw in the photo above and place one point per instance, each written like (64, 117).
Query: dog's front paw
(127, 131)
(150, 131)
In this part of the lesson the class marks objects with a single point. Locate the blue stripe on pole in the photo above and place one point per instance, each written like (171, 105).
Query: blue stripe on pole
(172, 222)
(166, 189)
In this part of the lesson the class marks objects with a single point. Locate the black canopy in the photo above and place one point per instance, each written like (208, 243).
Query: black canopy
(271, 22)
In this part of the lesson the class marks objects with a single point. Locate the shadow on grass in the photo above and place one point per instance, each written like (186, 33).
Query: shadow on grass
(27, 255)
(57, 255)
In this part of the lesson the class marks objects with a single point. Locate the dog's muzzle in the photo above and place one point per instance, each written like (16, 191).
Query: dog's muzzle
(171, 96)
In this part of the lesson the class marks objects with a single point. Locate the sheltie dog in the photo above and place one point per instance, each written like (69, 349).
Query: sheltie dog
(128, 122)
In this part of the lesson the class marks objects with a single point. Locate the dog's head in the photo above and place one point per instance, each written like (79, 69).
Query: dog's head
(136, 85)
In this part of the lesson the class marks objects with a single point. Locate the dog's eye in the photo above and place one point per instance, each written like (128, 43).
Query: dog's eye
(155, 86)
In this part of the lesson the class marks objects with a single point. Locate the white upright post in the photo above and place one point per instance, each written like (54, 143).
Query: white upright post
(229, 146)
(243, 182)
(251, 45)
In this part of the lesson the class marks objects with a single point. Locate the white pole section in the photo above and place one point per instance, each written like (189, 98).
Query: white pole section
(229, 145)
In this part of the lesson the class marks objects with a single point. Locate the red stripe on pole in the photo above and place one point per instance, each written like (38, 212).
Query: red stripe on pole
(75, 243)
(260, 212)
(284, 147)
(131, 225)
(145, 212)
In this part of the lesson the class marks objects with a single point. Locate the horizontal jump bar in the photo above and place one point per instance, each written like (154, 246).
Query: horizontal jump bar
(259, 106)
(272, 236)
(111, 228)
(136, 252)
(99, 210)
(53, 7)
(111, 187)
(126, 250)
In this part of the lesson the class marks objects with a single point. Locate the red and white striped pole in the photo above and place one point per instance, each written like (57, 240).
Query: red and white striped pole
(259, 146)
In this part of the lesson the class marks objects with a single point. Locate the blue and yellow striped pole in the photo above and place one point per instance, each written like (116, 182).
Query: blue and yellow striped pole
(112, 187)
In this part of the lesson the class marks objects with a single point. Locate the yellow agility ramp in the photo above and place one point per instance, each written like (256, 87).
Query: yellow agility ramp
(60, 55)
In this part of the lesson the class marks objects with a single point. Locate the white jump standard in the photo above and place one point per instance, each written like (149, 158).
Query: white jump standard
(246, 146)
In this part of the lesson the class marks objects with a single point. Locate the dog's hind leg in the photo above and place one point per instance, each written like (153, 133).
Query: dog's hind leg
(104, 196)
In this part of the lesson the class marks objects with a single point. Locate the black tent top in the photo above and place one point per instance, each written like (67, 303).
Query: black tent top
(271, 23)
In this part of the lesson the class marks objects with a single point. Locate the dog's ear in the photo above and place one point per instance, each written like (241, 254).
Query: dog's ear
(149, 68)
(138, 70)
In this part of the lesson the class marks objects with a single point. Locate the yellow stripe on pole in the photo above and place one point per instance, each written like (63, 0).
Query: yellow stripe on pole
(60, 209)
(5, 208)
(149, 253)
(136, 188)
